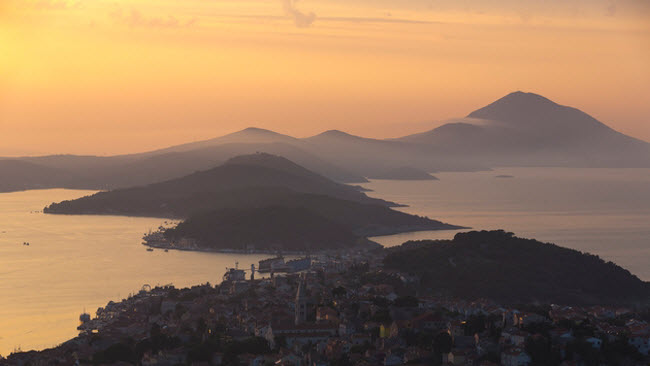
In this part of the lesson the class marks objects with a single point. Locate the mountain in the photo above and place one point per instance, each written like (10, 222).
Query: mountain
(528, 129)
(372, 157)
(96, 172)
(250, 135)
(520, 129)
(500, 266)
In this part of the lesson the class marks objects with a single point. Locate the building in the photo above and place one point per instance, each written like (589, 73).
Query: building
(301, 303)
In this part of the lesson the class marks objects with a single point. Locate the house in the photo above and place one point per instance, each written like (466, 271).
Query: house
(515, 357)
(641, 342)
(393, 360)
(455, 357)
(428, 321)
(524, 319)
(360, 339)
(456, 328)
(595, 342)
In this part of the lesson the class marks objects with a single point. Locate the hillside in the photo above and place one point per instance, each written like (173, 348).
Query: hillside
(249, 183)
(271, 228)
(497, 265)
(21, 175)
(173, 197)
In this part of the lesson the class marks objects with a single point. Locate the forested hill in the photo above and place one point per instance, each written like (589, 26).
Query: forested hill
(274, 228)
(500, 266)
(178, 197)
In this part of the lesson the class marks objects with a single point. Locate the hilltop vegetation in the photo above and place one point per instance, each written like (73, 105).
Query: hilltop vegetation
(205, 190)
(269, 228)
(497, 265)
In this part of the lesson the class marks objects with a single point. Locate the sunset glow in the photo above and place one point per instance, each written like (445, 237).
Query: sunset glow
(172, 71)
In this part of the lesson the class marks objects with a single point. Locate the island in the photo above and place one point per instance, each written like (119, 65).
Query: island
(231, 207)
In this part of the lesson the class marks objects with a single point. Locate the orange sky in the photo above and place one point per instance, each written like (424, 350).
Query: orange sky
(105, 77)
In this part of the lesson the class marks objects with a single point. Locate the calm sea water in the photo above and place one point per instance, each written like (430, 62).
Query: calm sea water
(600, 211)
(82, 262)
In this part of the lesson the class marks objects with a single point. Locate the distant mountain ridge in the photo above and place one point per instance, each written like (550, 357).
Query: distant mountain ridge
(520, 129)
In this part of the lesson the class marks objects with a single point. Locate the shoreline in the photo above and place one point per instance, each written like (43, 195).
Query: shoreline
(371, 244)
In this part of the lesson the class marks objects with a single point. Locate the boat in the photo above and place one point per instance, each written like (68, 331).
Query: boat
(234, 274)
(275, 264)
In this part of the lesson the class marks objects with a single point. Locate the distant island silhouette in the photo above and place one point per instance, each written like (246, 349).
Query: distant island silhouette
(520, 129)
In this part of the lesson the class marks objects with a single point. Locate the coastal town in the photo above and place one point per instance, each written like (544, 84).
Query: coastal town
(343, 309)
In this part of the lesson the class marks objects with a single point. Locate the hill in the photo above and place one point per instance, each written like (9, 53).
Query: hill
(261, 201)
(274, 228)
(499, 266)
(22, 175)
(175, 197)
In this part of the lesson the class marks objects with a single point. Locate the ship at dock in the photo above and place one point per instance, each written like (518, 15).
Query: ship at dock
(275, 264)
(278, 265)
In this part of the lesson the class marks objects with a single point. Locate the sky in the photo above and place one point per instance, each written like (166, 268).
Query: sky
(110, 77)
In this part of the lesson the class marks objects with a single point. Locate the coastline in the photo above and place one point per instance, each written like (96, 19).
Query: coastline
(371, 245)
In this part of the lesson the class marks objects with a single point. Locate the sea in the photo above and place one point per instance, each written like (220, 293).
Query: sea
(75, 264)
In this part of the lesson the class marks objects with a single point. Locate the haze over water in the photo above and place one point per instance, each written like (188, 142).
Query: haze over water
(77, 262)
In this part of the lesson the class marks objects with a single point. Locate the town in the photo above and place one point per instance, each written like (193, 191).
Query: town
(343, 309)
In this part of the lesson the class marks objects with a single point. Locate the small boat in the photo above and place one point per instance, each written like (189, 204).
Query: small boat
(149, 249)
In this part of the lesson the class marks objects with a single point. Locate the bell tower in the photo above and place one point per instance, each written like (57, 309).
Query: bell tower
(301, 303)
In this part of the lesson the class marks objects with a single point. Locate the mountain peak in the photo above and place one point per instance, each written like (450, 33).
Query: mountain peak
(335, 133)
(257, 130)
(524, 97)
(518, 107)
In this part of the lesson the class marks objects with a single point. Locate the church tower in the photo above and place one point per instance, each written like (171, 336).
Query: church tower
(301, 303)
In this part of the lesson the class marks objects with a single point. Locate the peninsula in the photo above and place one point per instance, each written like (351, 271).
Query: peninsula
(230, 207)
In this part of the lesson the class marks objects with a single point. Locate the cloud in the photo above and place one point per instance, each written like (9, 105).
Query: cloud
(302, 20)
(135, 19)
